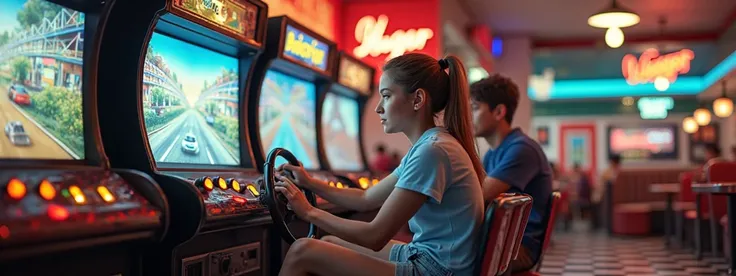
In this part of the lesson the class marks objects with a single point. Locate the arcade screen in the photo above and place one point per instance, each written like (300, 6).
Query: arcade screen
(340, 122)
(643, 143)
(190, 103)
(286, 114)
(41, 102)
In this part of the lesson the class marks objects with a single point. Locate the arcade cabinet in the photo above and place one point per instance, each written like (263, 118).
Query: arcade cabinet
(173, 74)
(63, 209)
(342, 109)
(294, 71)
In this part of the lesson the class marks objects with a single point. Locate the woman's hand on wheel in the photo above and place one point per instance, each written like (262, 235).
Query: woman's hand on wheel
(301, 177)
(297, 200)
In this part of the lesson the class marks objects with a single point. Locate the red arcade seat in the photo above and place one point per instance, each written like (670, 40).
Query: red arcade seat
(501, 217)
(519, 219)
(551, 219)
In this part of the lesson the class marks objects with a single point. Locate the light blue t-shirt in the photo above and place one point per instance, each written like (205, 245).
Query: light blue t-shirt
(447, 225)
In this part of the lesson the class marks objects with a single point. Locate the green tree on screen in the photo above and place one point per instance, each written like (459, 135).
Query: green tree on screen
(4, 38)
(20, 67)
(34, 11)
(149, 52)
(157, 96)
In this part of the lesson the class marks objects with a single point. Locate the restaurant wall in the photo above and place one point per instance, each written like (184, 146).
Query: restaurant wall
(552, 150)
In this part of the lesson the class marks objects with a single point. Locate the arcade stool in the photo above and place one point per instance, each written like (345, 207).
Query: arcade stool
(632, 219)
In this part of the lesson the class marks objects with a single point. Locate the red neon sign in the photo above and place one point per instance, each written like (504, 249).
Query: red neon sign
(651, 65)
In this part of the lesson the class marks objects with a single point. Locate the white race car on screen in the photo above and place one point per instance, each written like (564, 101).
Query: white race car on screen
(17, 134)
(189, 144)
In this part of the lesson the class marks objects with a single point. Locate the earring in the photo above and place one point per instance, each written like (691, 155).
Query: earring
(416, 107)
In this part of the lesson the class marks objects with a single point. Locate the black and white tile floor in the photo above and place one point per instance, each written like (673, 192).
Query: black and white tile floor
(589, 253)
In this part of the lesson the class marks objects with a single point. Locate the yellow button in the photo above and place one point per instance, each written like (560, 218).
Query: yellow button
(235, 185)
(77, 194)
(222, 183)
(105, 194)
(375, 181)
(208, 183)
(253, 190)
(339, 185)
(16, 189)
(46, 190)
(363, 181)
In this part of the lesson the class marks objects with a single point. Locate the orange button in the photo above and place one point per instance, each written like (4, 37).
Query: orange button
(46, 190)
(16, 189)
(208, 185)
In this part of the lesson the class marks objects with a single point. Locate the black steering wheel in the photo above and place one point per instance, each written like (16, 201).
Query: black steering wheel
(276, 202)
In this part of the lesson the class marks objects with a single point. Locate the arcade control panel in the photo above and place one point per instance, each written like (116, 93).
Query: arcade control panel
(40, 206)
(230, 195)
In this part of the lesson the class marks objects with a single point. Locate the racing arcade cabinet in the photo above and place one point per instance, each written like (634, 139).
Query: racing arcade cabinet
(294, 71)
(174, 76)
(63, 210)
(342, 110)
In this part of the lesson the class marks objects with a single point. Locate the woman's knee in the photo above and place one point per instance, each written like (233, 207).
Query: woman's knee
(302, 246)
(331, 239)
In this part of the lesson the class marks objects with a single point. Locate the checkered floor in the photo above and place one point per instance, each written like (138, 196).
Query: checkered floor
(587, 253)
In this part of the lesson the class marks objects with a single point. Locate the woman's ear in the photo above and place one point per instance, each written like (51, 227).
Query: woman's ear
(420, 99)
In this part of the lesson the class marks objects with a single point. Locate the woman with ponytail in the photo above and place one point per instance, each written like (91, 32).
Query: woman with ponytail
(436, 188)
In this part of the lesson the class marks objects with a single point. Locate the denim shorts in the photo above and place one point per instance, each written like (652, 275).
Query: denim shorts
(413, 262)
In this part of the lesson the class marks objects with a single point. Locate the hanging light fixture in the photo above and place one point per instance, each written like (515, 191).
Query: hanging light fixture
(689, 125)
(614, 18)
(723, 106)
(614, 37)
(702, 116)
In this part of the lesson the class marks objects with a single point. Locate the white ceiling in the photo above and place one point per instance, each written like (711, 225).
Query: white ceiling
(565, 19)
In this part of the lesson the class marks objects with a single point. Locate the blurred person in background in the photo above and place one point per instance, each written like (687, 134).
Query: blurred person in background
(382, 162)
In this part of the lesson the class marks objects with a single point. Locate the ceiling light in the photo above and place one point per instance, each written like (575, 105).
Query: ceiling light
(723, 106)
(702, 116)
(689, 125)
(614, 37)
(614, 16)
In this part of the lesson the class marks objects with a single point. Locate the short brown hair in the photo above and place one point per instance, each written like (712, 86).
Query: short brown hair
(496, 90)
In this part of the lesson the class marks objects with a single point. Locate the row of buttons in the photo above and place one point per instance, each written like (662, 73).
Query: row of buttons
(17, 190)
(224, 184)
(365, 182)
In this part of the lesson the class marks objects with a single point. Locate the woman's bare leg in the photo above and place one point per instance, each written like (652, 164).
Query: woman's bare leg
(384, 254)
(317, 257)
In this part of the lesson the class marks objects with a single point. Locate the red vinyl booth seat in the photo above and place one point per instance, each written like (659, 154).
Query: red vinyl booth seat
(632, 219)
(501, 217)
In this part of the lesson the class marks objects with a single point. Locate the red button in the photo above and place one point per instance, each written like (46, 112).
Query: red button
(57, 212)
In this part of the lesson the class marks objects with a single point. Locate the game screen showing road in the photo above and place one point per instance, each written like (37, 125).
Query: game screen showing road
(190, 104)
(286, 114)
(41, 46)
(340, 123)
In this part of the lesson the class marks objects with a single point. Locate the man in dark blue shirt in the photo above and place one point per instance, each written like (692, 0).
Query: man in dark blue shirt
(515, 163)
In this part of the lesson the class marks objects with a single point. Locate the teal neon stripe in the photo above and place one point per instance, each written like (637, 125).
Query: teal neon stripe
(609, 88)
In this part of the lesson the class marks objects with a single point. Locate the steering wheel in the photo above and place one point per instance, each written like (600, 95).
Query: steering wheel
(276, 202)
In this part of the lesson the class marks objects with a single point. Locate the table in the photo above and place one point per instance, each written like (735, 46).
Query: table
(728, 189)
(670, 190)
